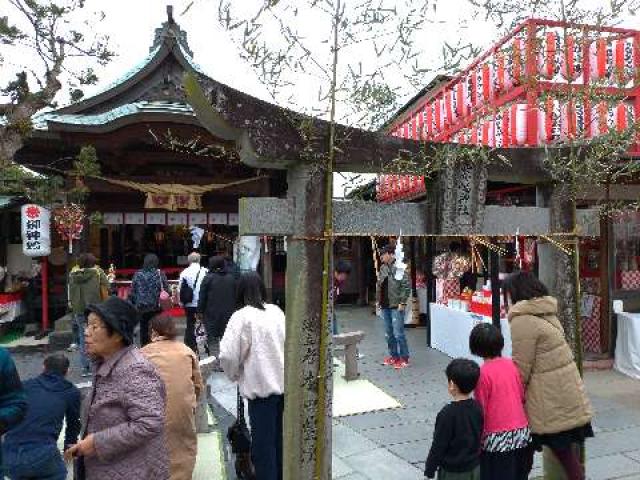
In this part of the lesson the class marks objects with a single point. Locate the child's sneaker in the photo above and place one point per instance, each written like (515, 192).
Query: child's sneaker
(389, 361)
(401, 363)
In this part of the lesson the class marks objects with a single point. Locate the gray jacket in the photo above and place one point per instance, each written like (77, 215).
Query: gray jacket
(398, 291)
(125, 412)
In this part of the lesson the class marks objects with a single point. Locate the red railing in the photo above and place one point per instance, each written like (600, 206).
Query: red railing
(519, 92)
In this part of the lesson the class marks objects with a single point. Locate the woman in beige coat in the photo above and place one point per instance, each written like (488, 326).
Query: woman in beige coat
(556, 403)
(178, 367)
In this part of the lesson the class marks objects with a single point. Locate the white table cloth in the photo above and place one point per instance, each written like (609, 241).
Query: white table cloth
(627, 357)
(450, 330)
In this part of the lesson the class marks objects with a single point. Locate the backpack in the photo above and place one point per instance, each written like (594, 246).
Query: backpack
(186, 291)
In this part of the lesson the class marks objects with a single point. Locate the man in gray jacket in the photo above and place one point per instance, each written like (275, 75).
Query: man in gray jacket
(392, 300)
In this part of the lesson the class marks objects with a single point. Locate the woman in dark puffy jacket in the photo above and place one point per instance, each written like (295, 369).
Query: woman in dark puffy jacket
(145, 293)
(217, 302)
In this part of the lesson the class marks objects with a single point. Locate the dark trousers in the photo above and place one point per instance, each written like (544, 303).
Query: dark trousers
(514, 465)
(265, 415)
(145, 322)
(190, 333)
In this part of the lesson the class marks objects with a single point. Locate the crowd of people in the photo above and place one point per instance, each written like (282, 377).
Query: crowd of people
(138, 419)
(506, 409)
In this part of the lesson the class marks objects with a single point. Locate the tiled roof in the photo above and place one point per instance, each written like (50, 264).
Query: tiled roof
(41, 121)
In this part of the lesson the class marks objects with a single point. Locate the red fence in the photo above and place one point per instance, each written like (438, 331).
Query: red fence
(545, 82)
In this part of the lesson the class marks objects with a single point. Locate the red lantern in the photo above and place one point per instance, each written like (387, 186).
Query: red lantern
(571, 65)
(601, 59)
(548, 64)
(624, 60)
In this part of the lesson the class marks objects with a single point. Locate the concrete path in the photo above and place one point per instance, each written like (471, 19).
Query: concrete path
(394, 443)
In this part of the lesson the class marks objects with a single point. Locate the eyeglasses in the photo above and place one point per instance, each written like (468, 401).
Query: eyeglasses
(93, 327)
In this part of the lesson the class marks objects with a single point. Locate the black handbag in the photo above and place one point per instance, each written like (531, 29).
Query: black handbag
(240, 441)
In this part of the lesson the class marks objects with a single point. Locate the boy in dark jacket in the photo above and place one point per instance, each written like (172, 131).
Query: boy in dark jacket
(13, 405)
(455, 450)
(30, 450)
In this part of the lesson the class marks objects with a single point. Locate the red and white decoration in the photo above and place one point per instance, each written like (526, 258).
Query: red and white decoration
(630, 280)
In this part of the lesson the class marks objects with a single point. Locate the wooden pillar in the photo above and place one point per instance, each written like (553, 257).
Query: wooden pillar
(494, 273)
(605, 285)
(305, 447)
(267, 266)
(431, 283)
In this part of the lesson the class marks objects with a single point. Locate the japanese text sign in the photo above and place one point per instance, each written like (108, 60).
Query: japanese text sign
(36, 232)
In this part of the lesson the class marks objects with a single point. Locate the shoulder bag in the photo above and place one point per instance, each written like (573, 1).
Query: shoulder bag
(240, 440)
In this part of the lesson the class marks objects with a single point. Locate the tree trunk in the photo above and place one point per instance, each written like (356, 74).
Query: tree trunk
(563, 220)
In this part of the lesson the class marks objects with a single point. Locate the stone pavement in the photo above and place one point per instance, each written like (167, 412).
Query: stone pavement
(393, 444)
(381, 445)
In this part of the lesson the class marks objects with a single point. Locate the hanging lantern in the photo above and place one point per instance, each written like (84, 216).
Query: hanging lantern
(428, 122)
(571, 63)
(515, 66)
(450, 104)
(498, 134)
(476, 87)
(549, 121)
(499, 85)
(548, 59)
(601, 59)
(624, 60)
(69, 221)
(568, 121)
(468, 93)
(487, 84)
(625, 116)
(461, 99)
(518, 124)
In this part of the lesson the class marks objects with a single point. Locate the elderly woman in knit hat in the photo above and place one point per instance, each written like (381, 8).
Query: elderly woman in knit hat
(123, 422)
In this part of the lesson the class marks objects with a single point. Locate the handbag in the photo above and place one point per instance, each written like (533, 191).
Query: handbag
(104, 289)
(164, 299)
(202, 344)
(240, 441)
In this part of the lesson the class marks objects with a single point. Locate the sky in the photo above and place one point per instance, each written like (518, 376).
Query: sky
(130, 25)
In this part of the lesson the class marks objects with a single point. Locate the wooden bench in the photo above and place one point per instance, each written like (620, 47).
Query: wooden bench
(350, 342)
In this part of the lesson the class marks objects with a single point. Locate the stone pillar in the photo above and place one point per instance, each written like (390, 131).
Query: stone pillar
(303, 376)
(463, 191)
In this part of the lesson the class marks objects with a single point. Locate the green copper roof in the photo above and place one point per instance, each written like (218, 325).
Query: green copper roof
(42, 121)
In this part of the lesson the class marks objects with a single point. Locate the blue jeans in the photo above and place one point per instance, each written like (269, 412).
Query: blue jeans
(334, 325)
(80, 321)
(29, 462)
(394, 332)
(265, 415)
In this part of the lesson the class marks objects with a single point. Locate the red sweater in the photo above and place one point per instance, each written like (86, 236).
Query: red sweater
(501, 394)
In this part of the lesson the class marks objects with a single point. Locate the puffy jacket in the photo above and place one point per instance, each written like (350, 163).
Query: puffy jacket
(217, 301)
(555, 396)
(145, 289)
(84, 288)
(50, 400)
(398, 291)
(13, 405)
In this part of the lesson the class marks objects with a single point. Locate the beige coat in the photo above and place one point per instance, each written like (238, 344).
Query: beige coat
(556, 400)
(178, 367)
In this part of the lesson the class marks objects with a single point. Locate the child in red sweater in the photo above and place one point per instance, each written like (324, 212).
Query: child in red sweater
(506, 437)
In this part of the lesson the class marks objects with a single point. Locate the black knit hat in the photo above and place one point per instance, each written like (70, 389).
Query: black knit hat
(118, 314)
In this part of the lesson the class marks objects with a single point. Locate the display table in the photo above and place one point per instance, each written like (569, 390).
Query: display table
(450, 330)
(10, 306)
(627, 357)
